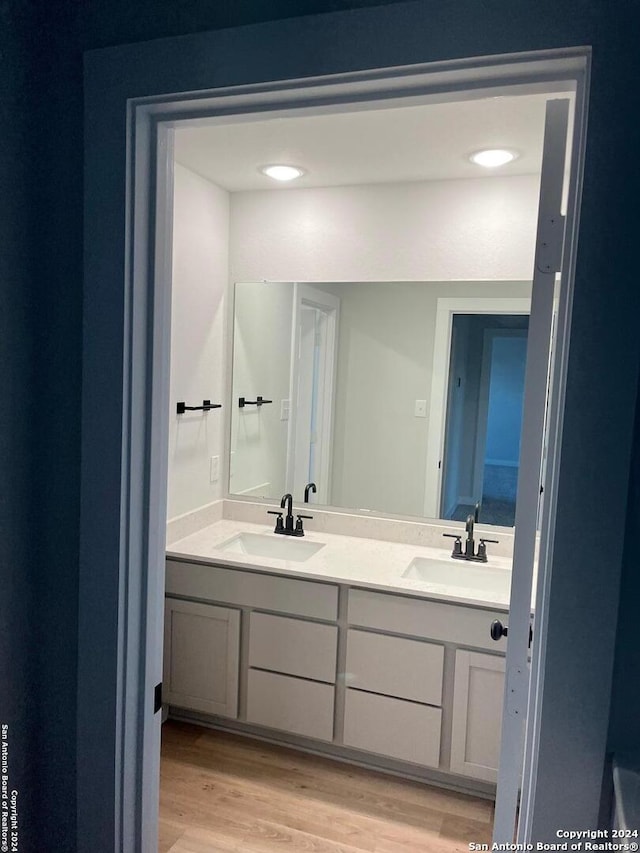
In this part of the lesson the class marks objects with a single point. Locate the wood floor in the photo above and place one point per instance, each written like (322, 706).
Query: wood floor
(222, 792)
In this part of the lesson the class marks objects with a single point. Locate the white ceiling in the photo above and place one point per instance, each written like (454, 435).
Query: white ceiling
(430, 142)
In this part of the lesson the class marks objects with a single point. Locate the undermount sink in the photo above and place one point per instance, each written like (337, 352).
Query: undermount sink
(454, 573)
(275, 546)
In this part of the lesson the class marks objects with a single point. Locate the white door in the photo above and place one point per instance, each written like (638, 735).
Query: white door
(549, 242)
(313, 368)
(305, 400)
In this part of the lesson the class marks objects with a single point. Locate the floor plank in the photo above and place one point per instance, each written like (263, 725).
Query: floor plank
(320, 770)
(225, 792)
(168, 833)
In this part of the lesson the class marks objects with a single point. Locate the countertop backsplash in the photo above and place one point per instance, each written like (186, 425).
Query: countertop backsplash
(365, 526)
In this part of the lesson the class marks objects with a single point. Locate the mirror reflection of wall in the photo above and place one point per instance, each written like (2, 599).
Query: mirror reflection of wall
(349, 367)
(261, 367)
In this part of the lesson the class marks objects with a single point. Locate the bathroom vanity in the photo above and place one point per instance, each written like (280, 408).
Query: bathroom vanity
(371, 651)
(363, 639)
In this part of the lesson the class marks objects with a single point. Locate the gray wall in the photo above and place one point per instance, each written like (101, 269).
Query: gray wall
(386, 330)
(41, 286)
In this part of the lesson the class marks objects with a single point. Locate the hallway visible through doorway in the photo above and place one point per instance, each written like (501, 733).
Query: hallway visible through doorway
(484, 416)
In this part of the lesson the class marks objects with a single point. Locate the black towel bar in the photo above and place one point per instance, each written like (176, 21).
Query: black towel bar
(259, 401)
(206, 406)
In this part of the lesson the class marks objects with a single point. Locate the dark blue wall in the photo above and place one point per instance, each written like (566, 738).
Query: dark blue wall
(624, 733)
(41, 290)
(506, 395)
(41, 281)
(18, 709)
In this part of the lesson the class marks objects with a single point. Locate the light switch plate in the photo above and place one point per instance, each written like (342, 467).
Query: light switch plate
(420, 410)
(285, 408)
(214, 469)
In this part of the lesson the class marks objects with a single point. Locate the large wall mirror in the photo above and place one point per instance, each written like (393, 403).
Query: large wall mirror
(400, 398)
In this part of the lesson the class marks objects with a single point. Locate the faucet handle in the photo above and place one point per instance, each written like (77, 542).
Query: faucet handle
(279, 528)
(492, 541)
(299, 527)
(482, 549)
(457, 545)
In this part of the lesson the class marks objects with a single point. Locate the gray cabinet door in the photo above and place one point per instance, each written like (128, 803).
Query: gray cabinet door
(477, 715)
(201, 657)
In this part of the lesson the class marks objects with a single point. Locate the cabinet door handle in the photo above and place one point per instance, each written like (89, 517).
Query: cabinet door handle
(498, 630)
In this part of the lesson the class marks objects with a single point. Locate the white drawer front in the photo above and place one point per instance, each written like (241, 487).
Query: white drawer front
(291, 704)
(393, 727)
(408, 669)
(257, 590)
(293, 646)
(438, 621)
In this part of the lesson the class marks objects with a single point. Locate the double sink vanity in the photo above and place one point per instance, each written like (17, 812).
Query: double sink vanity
(362, 640)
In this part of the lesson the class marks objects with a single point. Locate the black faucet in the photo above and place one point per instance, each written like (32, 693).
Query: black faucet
(469, 552)
(285, 526)
(469, 545)
(310, 487)
(287, 500)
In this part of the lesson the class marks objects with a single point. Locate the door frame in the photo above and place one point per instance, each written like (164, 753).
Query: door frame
(305, 292)
(130, 104)
(445, 309)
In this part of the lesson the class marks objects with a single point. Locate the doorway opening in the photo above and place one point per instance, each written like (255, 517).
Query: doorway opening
(484, 417)
(321, 384)
(157, 404)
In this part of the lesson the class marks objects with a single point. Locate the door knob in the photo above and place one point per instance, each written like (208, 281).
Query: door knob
(498, 630)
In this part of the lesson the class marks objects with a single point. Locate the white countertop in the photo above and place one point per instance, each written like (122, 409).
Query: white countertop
(346, 560)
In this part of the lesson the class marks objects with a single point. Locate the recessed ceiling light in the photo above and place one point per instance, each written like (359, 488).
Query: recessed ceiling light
(282, 173)
(492, 157)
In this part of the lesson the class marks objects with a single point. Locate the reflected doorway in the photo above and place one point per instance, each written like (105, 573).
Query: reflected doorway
(313, 370)
(484, 417)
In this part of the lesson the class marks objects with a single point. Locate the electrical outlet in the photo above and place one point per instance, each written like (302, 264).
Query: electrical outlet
(214, 469)
(420, 410)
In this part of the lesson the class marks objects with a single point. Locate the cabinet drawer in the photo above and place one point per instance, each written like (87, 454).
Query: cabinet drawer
(293, 646)
(257, 590)
(291, 704)
(401, 614)
(408, 669)
(393, 727)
